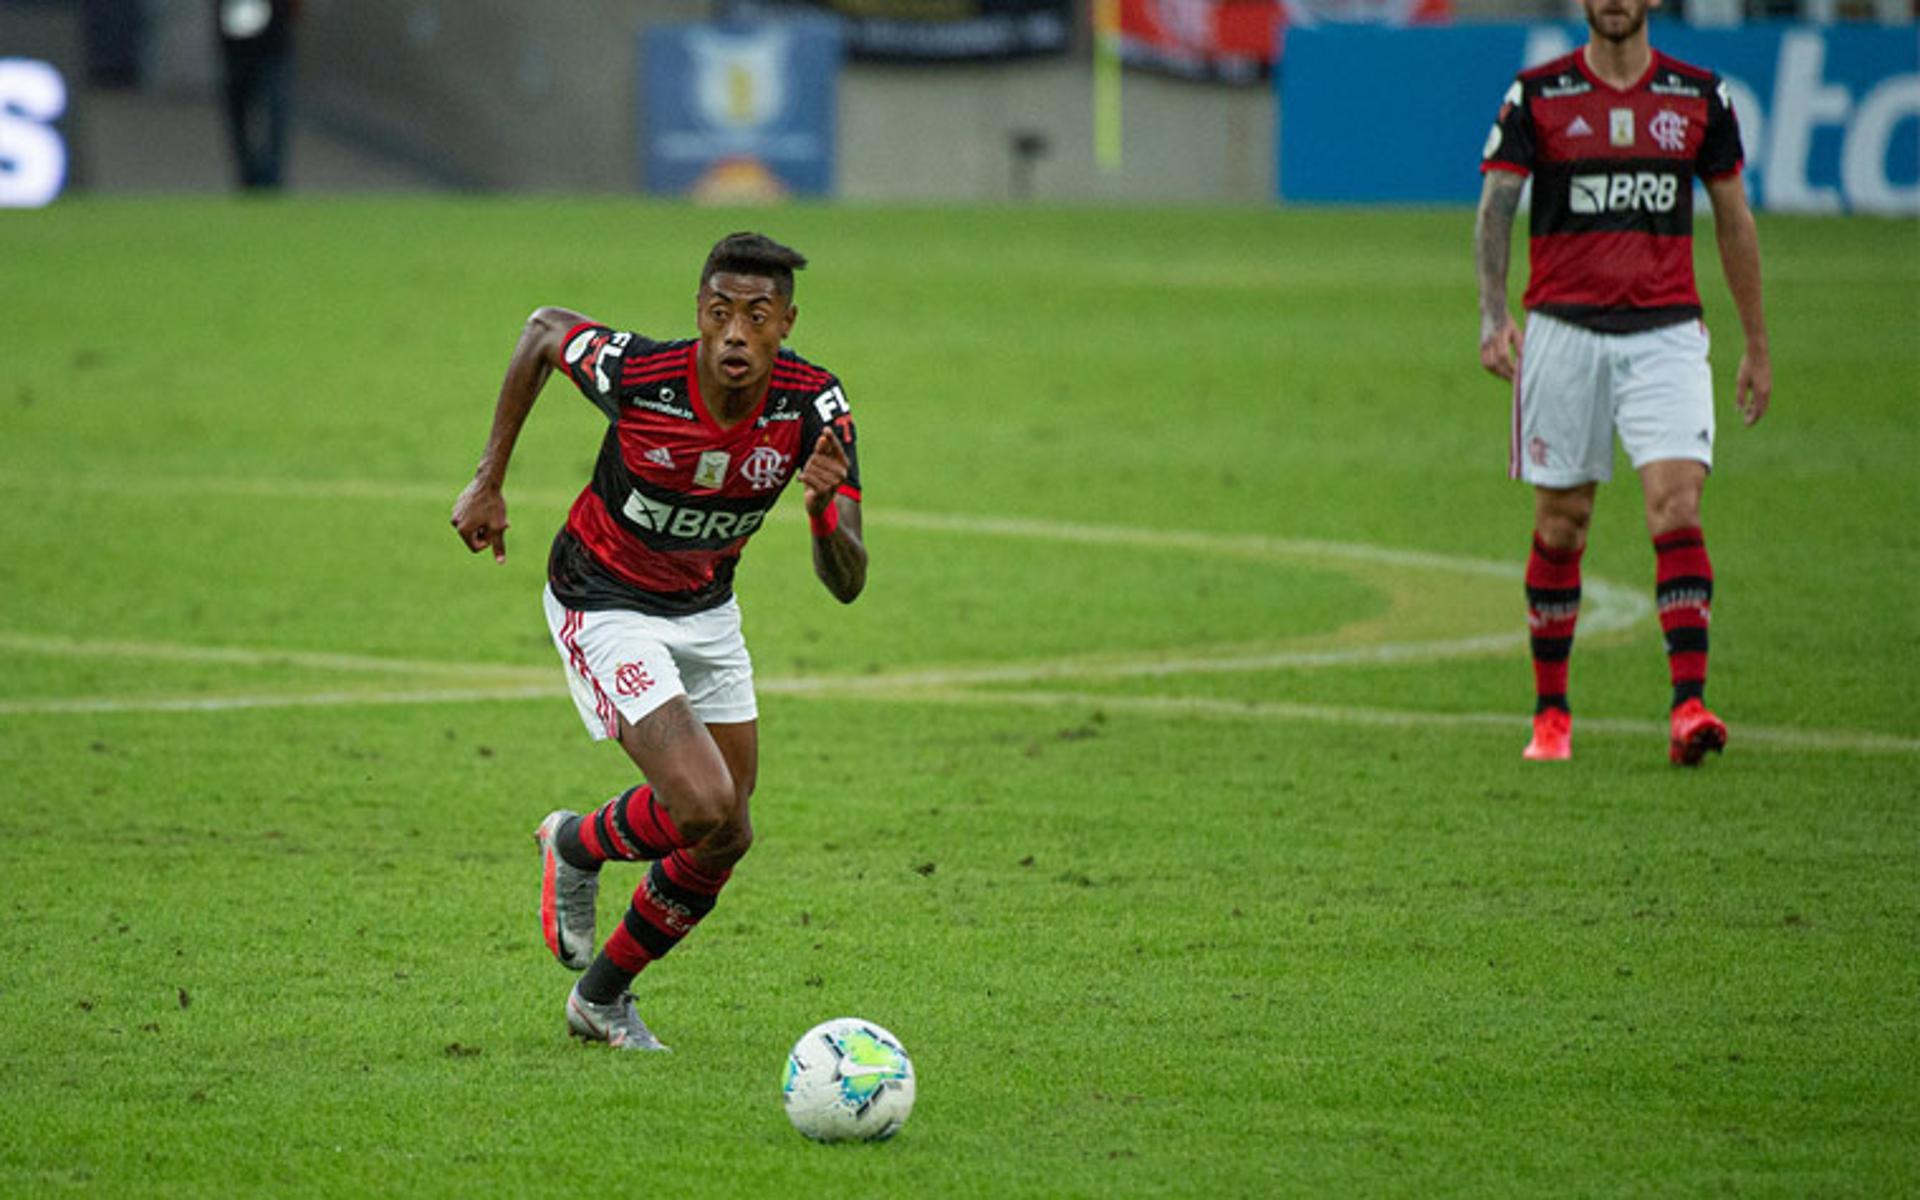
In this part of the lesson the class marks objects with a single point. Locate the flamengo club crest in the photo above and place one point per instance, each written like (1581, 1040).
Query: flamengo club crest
(631, 679)
(1669, 129)
(764, 468)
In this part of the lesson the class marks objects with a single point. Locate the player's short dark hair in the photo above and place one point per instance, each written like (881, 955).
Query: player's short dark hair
(754, 254)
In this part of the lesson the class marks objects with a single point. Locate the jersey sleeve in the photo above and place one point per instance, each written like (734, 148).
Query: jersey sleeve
(829, 411)
(1510, 142)
(1720, 154)
(594, 355)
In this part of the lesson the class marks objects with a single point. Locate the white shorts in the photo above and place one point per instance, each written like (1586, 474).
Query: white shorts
(1577, 388)
(631, 663)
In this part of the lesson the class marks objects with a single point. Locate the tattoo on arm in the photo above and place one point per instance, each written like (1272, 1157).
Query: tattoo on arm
(1492, 244)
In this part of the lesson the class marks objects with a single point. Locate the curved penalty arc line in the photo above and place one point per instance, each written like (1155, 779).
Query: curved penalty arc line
(1610, 606)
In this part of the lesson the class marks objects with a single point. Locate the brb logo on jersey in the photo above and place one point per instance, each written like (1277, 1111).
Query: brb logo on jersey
(690, 523)
(1624, 191)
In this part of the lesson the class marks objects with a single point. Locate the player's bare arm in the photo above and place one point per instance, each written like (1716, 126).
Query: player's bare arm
(839, 554)
(1739, 243)
(1492, 247)
(480, 512)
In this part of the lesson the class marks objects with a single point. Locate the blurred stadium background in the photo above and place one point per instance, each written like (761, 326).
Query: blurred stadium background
(952, 101)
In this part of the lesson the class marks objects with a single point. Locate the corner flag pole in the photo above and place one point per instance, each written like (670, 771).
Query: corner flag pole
(1106, 84)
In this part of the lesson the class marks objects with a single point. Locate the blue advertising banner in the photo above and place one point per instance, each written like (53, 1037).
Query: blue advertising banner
(739, 113)
(1829, 117)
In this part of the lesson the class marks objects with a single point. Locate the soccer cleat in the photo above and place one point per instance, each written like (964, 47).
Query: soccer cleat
(1552, 736)
(615, 1024)
(1695, 731)
(567, 896)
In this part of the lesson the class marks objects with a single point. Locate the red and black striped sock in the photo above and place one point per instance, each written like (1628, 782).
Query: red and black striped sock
(1683, 590)
(670, 901)
(631, 827)
(1553, 607)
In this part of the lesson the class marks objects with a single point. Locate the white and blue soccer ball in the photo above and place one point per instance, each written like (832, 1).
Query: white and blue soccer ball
(848, 1080)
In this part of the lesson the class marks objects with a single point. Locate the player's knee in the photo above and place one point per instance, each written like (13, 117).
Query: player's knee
(1560, 517)
(1563, 528)
(1675, 510)
(730, 842)
(701, 807)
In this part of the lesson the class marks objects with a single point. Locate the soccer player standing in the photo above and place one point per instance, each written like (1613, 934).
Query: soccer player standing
(1615, 135)
(703, 435)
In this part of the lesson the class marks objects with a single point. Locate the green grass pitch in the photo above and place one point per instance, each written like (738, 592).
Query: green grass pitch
(1163, 792)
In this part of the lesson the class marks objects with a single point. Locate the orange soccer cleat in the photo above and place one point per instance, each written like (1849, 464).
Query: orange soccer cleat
(1552, 736)
(1695, 731)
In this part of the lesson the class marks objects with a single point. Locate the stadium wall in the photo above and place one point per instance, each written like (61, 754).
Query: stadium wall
(932, 134)
(491, 94)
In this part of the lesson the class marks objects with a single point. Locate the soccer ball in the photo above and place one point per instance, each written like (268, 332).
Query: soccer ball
(848, 1080)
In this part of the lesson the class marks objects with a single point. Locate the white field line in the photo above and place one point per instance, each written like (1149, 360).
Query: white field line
(1608, 606)
(1762, 737)
(1773, 737)
(1168, 705)
(1043, 670)
(235, 703)
(57, 646)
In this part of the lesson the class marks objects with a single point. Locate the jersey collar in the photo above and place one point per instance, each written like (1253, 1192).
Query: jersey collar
(1580, 60)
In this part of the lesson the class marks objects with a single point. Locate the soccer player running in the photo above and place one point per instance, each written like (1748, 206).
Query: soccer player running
(703, 435)
(1614, 136)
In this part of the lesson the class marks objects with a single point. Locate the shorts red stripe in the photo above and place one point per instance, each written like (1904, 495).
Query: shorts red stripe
(604, 707)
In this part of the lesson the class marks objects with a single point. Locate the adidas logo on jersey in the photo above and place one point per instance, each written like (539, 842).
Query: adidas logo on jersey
(660, 456)
(1579, 128)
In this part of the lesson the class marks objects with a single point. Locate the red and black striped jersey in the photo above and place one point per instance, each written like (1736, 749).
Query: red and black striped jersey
(674, 495)
(1613, 174)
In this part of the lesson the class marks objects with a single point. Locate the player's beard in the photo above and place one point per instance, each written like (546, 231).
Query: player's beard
(1636, 21)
